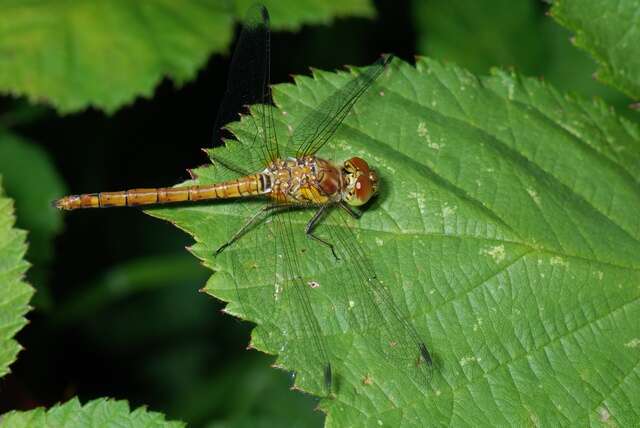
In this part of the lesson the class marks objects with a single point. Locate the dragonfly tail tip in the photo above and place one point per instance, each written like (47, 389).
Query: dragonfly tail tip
(328, 377)
(426, 355)
(58, 204)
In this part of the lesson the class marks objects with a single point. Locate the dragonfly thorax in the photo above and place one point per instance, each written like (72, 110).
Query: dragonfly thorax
(305, 180)
(312, 180)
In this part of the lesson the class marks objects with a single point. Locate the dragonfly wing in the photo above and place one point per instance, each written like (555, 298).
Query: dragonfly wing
(310, 301)
(304, 336)
(279, 302)
(317, 127)
(248, 84)
(384, 326)
(266, 265)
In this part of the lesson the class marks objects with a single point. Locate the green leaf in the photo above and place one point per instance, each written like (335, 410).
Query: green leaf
(561, 62)
(105, 53)
(506, 228)
(610, 32)
(480, 35)
(32, 181)
(14, 292)
(292, 15)
(508, 34)
(97, 413)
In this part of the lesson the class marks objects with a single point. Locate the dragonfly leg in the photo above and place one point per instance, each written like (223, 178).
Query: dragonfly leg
(312, 224)
(250, 223)
(352, 211)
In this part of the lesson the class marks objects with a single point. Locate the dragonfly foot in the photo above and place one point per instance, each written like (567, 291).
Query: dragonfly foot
(351, 211)
(222, 248)
(333, 251)
(323, 242)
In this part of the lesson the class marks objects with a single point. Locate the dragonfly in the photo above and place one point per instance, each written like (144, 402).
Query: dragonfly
(291, 177)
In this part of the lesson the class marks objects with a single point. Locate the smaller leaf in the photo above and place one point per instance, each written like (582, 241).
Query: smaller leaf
(562, 60)
(610, 32)
(508, 34)
(31, 179)
(290, 15)
(504, 33)
(105, 53)
(97, 413)
(14, 292)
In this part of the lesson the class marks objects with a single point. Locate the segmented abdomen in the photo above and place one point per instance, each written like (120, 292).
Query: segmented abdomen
(251, 185)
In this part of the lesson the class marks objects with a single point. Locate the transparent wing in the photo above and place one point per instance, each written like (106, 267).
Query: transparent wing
(385, 325)
(310, 301)
(248, 84)
(265, 264)
(318, 126)
(298, 314)
(297, 311)
(266, 271)
(317, 301)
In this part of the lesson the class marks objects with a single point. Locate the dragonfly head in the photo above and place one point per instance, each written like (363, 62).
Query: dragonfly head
(361, 183)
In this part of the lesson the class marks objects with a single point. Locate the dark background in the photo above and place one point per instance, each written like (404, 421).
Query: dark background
(146, 334)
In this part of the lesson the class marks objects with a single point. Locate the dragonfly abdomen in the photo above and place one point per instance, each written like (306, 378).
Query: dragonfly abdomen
(251, 185)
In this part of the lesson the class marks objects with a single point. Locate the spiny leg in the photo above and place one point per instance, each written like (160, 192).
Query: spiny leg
(249, 223)
(352, 211)
(312, 224)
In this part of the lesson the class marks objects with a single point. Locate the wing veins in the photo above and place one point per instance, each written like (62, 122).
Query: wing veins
(248, 84)
(295, 287)
(368, 285)
(317, 127)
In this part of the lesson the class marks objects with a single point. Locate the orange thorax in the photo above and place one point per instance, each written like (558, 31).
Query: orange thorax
(308, 180)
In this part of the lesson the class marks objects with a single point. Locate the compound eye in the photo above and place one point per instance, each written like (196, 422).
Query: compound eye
(350, 168)
(363, 189)
(357, 164)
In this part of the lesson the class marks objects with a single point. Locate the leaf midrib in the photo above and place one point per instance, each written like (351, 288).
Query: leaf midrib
(405, 234)
(499, 147)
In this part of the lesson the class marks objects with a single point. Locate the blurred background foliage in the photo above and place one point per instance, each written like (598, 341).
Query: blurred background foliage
(111, 95)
